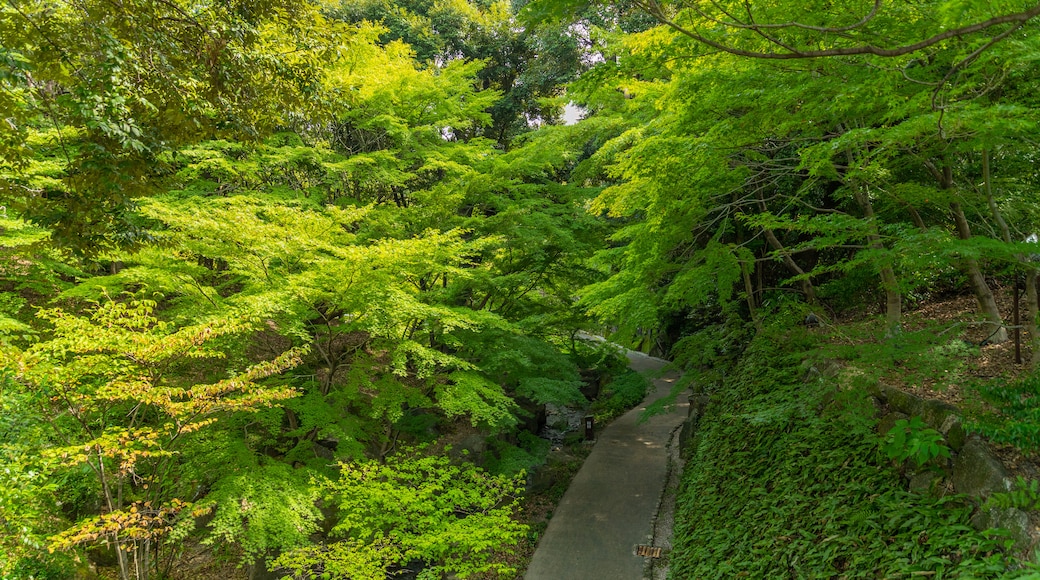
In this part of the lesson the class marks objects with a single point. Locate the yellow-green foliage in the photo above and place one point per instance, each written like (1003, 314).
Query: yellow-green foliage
(414, 507)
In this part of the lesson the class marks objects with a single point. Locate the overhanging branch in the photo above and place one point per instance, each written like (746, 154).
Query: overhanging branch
(654, 9)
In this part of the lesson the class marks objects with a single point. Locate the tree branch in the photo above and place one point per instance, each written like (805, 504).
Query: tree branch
(654, 9)
(825, 29)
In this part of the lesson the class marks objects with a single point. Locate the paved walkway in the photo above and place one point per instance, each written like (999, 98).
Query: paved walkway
(610, 506)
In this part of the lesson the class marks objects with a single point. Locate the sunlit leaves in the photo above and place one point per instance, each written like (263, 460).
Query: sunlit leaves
(414, 508)
(263, 510)
(473, 395)
(343, 559)
(110, 387)
(139, 522)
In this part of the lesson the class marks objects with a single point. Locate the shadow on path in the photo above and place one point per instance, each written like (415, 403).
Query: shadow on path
(610, 507)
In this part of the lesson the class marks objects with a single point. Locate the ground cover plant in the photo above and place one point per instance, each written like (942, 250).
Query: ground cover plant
(789, 478)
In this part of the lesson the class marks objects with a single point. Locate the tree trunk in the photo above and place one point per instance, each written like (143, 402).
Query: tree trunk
(142, 551)
(124, 563)
(749, 288)
(1032, 311)
(893, 302)
(807, 287)
(893, 297)
(1005, 231)
(1030, 269)
(997, 332)
(749, 293)
(113, 503)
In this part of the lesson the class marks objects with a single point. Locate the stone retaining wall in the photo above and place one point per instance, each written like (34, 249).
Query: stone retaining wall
(974, 469)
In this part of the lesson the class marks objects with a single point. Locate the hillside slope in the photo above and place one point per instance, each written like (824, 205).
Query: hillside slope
(785, 479)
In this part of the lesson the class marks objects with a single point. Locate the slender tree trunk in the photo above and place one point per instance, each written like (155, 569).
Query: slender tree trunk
(1032, 312)
(916, 218)
(997, 332)
(807, 287)
(124, 564)
(113, 503)
(983, 295)
(760, 278)
(749, 293)
(141, 553)
(889, 282)
(749, 288)
(1030, 269)
(998, 217)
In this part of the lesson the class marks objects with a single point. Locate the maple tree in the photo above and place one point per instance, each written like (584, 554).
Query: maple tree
(109, 388)
(252, 254)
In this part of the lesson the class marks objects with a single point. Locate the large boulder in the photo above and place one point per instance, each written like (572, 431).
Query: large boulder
(1015, 521)
(888, 421)
(472, 448)
(824, 368)
(904, 402)
(541, 479)
(592, 382)
(259, 571)
(926, 482)
(698, 404)
(977, 472)
(935, 413)
(953, 430)
(532, 417)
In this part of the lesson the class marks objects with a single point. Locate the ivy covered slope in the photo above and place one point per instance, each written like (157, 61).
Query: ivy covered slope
(785, 478)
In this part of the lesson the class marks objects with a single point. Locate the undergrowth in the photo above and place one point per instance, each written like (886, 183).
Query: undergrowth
(1016, 419)
(785, 480)
(625, 391)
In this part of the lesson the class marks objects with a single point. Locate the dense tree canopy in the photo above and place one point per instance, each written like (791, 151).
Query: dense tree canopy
(260, 261)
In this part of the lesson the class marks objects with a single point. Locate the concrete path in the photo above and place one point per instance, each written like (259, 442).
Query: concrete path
(610, 507)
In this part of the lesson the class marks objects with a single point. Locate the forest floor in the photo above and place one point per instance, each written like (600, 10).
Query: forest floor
(956, 315)
(992, 361)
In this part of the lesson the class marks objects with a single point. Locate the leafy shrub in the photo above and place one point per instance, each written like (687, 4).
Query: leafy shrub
(1025, 495)
(413, 507)
(262, 511)
(420, 425)
(42, 567)
(624, 392)
(511, 460)
(1016, 420)
(915, 441)
(603, 356)
(708, 353)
